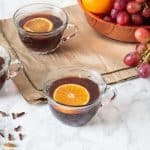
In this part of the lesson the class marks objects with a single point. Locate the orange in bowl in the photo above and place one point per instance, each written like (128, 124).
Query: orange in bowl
(38, 25)
(71, 94)
(98, 6)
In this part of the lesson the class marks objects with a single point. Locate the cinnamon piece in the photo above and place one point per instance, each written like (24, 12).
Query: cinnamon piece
(9, 146)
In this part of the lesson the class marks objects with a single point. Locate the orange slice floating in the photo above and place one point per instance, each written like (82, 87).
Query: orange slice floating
(38, 25)
(72, 95)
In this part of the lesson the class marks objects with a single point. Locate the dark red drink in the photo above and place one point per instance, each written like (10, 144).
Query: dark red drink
(42, 42)
(76, 117)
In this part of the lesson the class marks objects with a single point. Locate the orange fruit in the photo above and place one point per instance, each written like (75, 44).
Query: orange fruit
(71, 94)
(38, 25)
(98, 6)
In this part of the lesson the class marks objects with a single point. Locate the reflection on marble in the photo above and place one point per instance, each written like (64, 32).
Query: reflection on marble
(122, 125)
(8, 96)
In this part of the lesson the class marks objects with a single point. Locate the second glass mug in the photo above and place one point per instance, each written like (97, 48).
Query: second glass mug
(45, 42)
(77, 115)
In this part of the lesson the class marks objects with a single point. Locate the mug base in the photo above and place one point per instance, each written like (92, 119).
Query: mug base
(44, 52)
(74, 120)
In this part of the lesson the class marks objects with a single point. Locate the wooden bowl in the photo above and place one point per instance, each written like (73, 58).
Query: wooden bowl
(111, 30)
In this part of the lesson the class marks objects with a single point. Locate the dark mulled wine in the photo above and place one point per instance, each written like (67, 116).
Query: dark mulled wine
(45, 41)
(3, 74)
(81, 115)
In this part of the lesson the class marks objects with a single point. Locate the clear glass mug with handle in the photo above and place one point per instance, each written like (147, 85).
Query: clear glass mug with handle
(8, 68)
(100, 94)
(46, 41)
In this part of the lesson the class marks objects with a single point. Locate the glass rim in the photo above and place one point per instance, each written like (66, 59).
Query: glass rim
(50, 6)
(96, 102)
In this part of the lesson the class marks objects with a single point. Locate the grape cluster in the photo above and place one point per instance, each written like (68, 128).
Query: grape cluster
(129, 12)
(140, 57)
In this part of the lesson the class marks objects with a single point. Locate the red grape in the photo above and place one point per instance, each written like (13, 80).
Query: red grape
(114, 13)
(140, 1)
(132, 59)
(133, 7)
(120, 4)
(137, 19)
(144, 70)
(146, 12)
(142, 35)
(147, 2)
(108, 19)
(123, 18)
(140, 48)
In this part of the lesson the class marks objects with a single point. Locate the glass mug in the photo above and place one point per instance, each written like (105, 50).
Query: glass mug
(9, 68)
(44, 42)
(78, 115)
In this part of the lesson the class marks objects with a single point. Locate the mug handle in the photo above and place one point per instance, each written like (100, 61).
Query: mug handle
(14, 68)
(71, 27)
(109, 95)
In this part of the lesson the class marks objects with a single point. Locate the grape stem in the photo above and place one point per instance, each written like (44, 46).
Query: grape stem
(146, 56)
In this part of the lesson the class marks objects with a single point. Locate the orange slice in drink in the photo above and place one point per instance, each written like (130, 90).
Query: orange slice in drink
(72, 95)
(38, 25)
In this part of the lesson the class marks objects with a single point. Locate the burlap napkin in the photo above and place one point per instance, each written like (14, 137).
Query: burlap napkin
(87, 49)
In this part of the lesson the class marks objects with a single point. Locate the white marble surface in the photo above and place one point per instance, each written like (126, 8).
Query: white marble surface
(123, 125)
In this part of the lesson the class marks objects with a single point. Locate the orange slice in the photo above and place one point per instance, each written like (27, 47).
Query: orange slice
(71, 94)
(38, 25)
